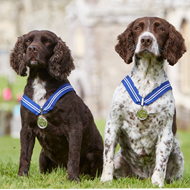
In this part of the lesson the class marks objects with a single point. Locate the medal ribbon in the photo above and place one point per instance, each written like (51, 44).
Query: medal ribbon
(150, 98)
(50, 103)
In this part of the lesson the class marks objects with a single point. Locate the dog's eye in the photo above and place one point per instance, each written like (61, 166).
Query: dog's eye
(137, 28)
(48, 41)
(45, 40)
(27, 41)
(160, 29)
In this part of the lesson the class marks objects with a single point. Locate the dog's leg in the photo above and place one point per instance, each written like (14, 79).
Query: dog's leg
(163, 150)
(175, 163)
(46, 165)
(27, 140)
(75, 140)
(92, 163)
(122, 168)
(113, 124)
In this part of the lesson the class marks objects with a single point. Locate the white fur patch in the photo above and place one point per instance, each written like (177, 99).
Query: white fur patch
(154, 48)
(39, 91)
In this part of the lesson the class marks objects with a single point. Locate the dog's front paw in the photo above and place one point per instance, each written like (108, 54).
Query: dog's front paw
(74, 178)
(106, 177)
(23, 172)
(157, 179)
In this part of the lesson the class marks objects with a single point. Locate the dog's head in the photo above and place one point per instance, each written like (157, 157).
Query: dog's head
(151, 36)
(42, 49)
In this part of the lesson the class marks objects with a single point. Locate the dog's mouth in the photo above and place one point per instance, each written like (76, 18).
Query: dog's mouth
(32, 62)
(146, 53)
(33, 59)
(35, 63)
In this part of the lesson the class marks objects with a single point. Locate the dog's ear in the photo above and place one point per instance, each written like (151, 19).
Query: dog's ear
(126, 46)
(17, 57)
(174, 47)
(61, 63)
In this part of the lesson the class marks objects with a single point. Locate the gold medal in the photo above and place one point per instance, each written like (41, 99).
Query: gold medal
(142, 114)
(42, 122)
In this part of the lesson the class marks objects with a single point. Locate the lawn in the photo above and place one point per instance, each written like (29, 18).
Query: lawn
(9, 161)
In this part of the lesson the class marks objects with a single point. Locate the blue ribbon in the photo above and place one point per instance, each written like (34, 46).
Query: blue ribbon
(150, 98)
(50, 103)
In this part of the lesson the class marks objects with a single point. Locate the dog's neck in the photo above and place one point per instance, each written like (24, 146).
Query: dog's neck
(43, 85)
(147, 74)
(42, 74)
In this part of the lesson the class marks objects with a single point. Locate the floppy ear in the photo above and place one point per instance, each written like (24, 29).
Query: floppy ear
(17, 57)
(61, 63)
(174, 47)
(126, 46)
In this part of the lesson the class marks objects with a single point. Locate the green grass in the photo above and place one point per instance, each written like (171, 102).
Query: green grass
(9, 161)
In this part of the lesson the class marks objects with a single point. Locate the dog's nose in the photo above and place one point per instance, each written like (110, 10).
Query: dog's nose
(32, 48)
(146, 41)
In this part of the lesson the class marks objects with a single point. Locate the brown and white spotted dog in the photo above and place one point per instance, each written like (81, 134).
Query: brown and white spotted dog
(148, 147)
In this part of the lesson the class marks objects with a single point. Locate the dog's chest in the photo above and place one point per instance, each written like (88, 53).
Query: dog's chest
(39, 91)
(141, 136)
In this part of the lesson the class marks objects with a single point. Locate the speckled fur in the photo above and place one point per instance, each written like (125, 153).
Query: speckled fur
(148, 148)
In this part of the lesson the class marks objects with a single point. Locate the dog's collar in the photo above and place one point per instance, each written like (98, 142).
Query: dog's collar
(50, 103)
(150, 98)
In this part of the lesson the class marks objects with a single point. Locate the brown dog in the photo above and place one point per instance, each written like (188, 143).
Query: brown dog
(71, 139)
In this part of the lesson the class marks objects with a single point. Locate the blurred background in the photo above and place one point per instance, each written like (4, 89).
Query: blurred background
(90, 29)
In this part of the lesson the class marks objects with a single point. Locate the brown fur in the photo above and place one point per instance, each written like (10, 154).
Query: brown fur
(71, 139)
(172, 44)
